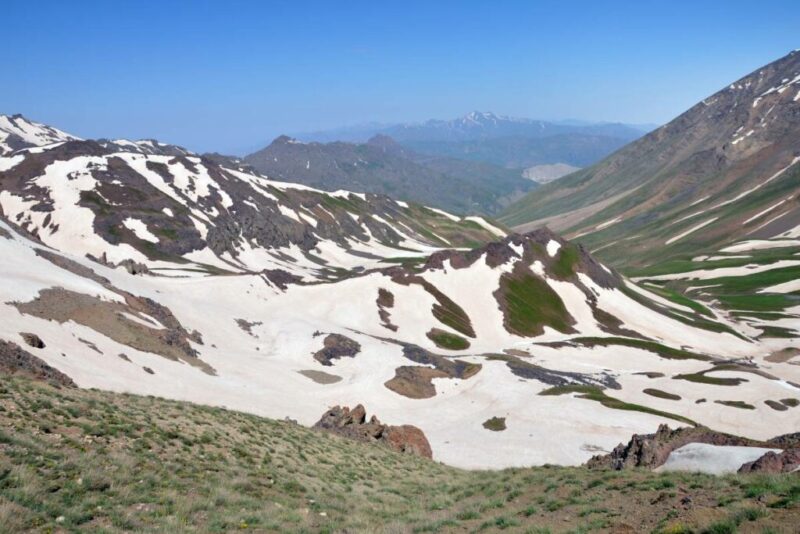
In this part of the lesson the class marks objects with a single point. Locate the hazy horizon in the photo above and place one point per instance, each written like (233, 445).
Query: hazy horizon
(259, 70)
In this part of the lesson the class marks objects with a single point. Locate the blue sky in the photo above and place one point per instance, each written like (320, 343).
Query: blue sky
(230, 76)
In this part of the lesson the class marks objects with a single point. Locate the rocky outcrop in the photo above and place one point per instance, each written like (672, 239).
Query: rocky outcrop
(773, 462)
(15, 360)
(32, 340)
(336, 346)
(353, 424)
(652, 450)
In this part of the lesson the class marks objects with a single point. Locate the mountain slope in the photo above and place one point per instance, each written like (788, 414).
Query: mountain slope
(171, 210)
(222, 287)
(92, 460)
(724, 171)
(17, 132)
(383, 166)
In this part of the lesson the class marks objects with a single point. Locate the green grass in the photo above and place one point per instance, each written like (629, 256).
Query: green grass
(736, 404)
(531, 304)
(702, 378)
(644, 344)
(661, 394)
(495, 424)
(596, 394)
(89, 461)
(567, 259)
(680, 299)
(446, 340)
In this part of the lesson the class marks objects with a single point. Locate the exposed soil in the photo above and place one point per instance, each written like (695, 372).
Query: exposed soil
(414, 381)
(320, 377)
(385, 302)
(107, 318)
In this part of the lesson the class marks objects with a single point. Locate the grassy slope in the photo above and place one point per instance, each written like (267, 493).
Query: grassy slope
(94, 461)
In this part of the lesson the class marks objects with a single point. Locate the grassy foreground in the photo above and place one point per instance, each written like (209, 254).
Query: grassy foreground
(84, 460)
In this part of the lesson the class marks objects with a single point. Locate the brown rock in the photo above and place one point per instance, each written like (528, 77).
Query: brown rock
(652, 450)
(772, 462)
(353, 424)
(336, 346)
(32, 340)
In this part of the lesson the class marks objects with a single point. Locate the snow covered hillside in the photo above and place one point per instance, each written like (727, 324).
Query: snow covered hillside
(139, 267)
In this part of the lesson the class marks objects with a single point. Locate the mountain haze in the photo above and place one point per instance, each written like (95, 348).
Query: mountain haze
(383, 166)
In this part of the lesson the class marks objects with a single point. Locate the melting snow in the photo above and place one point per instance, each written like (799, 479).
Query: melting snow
(690, 230)
(486, 226)
(139, 229)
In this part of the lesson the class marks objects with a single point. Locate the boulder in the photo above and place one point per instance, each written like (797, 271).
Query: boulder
(32, 340)
(353, 424)
(772, 462)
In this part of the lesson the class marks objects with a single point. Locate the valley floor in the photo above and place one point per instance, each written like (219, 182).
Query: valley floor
(85, 460)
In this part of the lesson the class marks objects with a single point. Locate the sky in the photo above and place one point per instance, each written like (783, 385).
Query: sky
(230, 76)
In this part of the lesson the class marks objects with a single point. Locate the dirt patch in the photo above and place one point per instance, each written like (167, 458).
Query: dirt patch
(385, 302)
(15, 360)
(320, 377)
(336, 346)
(783, 355)
(108, 318)
(247, 326)
(517, 352)
(415, 382)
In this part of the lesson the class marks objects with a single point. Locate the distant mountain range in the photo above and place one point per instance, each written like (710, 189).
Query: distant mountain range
(383, 166)
(504, 141)
(471, 164)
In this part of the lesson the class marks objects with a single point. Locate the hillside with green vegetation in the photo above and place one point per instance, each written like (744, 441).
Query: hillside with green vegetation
(84, 460)
(723, 172)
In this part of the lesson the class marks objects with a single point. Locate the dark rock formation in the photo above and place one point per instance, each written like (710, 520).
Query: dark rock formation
(336, 346)
(785, 441)
(652, 450)
(353, 424)
(32, 340)
(773, 462)
(15, 360)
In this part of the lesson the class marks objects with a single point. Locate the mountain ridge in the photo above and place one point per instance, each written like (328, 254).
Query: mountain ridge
(382, 165)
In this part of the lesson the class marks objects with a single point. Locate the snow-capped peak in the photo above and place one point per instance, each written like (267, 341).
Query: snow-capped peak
(17, 132)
